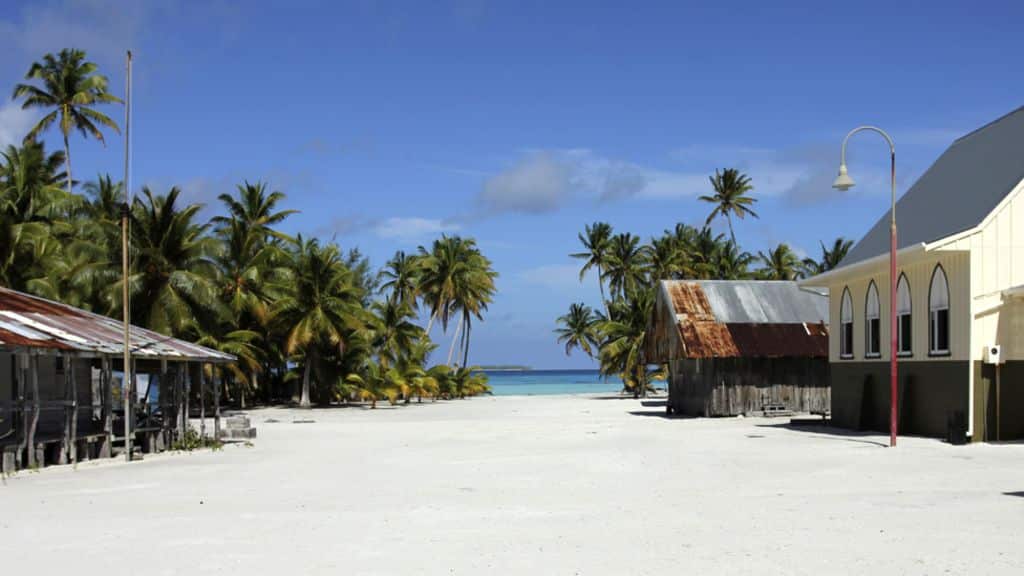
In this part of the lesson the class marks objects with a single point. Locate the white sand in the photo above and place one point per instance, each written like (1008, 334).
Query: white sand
(543, 485)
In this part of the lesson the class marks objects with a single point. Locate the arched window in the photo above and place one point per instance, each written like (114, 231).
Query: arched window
(904, 326)
(938, 313)
(846, 325)
(872, 323)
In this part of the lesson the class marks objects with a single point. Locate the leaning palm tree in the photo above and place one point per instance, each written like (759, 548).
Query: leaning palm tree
(730, 198)
(780, 263)
(577, 329)
(319, 307)
(70, 87)
(596, 243)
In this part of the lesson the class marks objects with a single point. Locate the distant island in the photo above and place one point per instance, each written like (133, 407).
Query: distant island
(506, 368)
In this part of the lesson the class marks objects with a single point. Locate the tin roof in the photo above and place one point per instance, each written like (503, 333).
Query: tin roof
(726, 319)
(28, 321)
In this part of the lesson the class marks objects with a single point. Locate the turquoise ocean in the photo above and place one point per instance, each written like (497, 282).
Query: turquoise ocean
(548, 382)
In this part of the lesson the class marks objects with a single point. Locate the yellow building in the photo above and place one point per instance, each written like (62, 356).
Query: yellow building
(960, 304)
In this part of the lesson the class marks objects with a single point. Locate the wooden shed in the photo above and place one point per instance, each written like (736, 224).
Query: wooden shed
(61, 396)
(741, 347)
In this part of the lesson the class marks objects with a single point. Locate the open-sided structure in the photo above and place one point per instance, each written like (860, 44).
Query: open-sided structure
(60, 383)
(738, 347)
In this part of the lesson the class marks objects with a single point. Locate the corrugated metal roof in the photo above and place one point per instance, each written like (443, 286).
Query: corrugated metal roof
(957, 192)
(727, 319)
(33, 322)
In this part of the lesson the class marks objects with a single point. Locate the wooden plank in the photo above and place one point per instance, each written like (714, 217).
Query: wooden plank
(74, 411)
(202, 402)
(107, 448)
(20, 360)
(34, 379)
(216, 407)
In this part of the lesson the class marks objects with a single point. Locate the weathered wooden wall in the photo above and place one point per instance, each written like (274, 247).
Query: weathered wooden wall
(733, 386)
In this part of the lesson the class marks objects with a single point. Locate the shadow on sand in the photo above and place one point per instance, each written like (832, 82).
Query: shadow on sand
(1019, 493)
(830, 433)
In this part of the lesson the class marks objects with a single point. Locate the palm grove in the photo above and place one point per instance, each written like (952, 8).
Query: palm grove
(628, 272)
(304, 318)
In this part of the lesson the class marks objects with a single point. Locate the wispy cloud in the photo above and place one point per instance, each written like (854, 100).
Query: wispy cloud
(541, 182)
(14, 123)
(558, 277)
(411, 228)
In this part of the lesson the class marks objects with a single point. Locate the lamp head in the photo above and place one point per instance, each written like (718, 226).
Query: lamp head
(843, 181)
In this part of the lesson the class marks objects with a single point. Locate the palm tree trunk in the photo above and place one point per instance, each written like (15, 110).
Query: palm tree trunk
(465, 351)
(433, 317)
(604, 300)
(732, 234)
(304, 402)
(67, 160)
(451, 349)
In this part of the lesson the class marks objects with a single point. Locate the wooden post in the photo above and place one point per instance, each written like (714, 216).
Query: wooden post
(216, 407)
(34, 376)
(202, 402)
(106, 450)
(186, 379)
(70, 365)
(65, 441)
(22, 408)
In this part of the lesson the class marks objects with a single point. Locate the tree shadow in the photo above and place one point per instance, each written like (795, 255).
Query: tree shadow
(1019, 493)
(829, 433)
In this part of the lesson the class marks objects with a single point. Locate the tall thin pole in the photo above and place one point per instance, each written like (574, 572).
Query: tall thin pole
(893, 377)
(125, 231)
(843, 182)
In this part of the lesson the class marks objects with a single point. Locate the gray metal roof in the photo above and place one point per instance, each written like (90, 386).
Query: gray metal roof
(28, 321)
(762, 302)
(956, 193)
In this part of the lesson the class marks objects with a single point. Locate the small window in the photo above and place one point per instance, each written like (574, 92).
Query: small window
(938, 314)
(846, 326)
(872, 324)
(904, 325)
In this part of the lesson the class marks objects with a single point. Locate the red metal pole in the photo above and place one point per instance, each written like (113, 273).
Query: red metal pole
(893, 382)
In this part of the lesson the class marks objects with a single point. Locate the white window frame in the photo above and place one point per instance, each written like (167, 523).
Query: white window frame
(933, 313)
(872, 322)
(904, 309)
(845, 317)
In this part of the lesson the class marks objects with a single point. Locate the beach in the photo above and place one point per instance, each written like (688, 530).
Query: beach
(526, 485)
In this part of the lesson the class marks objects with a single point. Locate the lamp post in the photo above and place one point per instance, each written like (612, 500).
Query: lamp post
(844, 182)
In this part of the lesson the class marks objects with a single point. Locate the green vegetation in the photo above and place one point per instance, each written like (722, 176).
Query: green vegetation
(615, 334)
(308, 321)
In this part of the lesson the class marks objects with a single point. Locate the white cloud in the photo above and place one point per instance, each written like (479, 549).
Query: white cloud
(411, 228)
(14, 123)
(560, 277)
(541, 182)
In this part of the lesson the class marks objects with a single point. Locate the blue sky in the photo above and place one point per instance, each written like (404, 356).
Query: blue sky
(519, 122)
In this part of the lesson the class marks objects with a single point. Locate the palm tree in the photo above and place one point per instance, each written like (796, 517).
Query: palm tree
(730, 198)
(596, 241)
(780, 263)
(623, 336)
(578, 329)
(320, 305)
(30, 183)
(731, 263)
(830, 257)
(665, 258)
(394, 331)
(469, 381)
(401, 279)
(173, 282)
(375, 382)
(625, 267)
(255, 209)
(71, 87)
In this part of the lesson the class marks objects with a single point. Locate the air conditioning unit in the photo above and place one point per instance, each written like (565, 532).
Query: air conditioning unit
(993, 354)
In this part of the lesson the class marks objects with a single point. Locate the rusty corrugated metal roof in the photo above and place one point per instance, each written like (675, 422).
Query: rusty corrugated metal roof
(28, 321)
(725, 319)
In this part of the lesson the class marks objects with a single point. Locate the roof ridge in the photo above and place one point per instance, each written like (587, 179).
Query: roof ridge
(990, 123)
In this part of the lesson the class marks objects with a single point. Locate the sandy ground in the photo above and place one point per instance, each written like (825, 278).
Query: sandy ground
(519, 485)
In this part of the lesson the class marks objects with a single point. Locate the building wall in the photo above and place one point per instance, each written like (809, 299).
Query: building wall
(999, 406)
(733, 386)
(956, 265)
(929, 393)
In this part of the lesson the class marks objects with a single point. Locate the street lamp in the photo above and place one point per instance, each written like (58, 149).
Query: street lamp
(844, 182)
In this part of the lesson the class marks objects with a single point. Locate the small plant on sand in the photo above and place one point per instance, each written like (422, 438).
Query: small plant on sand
(192, 440)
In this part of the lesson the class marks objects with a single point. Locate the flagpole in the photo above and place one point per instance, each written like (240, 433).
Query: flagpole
(126, 384)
